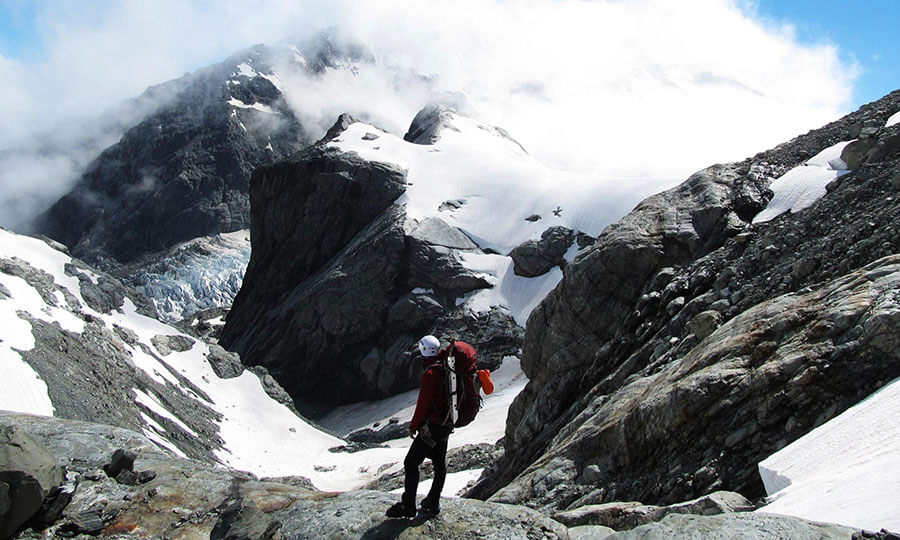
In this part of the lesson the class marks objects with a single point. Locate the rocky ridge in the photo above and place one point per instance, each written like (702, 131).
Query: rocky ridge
(96, 352)
(341, 283)
(686, 344)
(183, 171)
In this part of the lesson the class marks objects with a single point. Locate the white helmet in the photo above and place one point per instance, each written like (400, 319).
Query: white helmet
(429, 346)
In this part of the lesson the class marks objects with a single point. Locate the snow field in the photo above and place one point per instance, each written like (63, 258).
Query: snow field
(500, 185)
(802, 186)
(846, 471)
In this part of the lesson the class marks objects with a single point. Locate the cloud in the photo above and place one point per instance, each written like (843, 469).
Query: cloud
(621, 88)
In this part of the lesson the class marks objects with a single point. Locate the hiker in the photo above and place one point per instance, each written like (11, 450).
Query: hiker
(431, 426)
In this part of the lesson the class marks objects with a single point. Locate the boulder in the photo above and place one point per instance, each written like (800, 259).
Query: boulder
(729, 526)
(589, 532)
(536, 257)
(623, 516)
(427, 125)
(121, 460)
(225, 364)
(166, 345)
(705, 323)
(27, 474)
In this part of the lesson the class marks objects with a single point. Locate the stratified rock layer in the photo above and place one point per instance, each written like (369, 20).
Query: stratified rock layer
(686, 345)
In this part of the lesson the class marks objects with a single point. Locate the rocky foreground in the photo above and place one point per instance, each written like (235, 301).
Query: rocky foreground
(64, 478)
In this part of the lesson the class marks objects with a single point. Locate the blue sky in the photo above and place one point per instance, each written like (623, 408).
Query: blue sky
(866, 32)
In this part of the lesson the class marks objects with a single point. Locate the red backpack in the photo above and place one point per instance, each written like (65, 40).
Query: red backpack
(465, 382)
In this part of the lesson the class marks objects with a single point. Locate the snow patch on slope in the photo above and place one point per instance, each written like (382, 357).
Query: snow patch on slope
(499, 185)
(234, 102)
(845, 471)
(894, 119)
(802, 186)
(260, 435)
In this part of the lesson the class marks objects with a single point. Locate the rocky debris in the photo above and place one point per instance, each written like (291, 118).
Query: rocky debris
(272, 388)
(205, 325)
(536, 257)
(387, 433)
(622, 516)
(91, 376)
(729, 526)
(181, 172)
(188, 499)
(883, 534)
(27, 474)
(463, 458)
(617, 326)
(166, 345)
(341, 283)
(589, 532)
(225, 364)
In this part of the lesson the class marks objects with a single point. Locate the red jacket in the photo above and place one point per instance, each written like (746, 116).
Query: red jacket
(433, 403)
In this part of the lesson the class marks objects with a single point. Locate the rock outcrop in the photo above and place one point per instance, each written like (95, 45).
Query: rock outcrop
(341, 283)
(536, 257)
(621, 516)
(27, 473)
(186, 498)
(183, 172)
(686, 345)
(729, 526)
(82, 339)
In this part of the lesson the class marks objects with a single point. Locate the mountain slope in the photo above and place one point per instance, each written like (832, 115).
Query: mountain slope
(183, 171)
(367, 241)
(686, 344)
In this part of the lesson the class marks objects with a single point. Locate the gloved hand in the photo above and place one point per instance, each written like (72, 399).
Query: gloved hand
(412, 433)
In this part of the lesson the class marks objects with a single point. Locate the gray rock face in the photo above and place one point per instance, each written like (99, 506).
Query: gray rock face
(730, 526)
(427, 125)
(166, 345)
(536, 257)
(182, 172)
(341, 284)
(190, 499)
(612, 353)
(622, 516)
(27, 473)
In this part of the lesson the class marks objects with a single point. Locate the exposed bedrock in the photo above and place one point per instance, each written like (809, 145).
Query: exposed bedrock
(647, 366)
(341, 283)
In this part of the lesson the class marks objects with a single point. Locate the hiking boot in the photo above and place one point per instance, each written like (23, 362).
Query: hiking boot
(432, 506)
(401, 510)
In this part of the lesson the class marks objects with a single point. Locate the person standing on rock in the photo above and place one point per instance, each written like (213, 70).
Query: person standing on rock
(431, 426)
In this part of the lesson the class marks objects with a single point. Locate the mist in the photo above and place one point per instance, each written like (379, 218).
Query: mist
(642, 89)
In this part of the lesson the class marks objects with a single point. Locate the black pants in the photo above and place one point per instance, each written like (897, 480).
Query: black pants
(418, 451)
